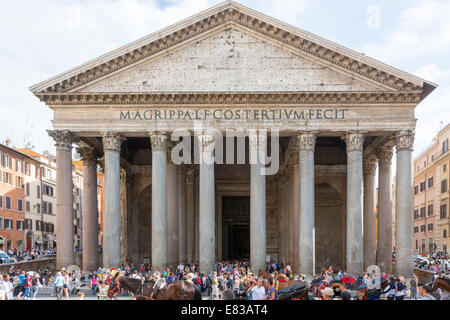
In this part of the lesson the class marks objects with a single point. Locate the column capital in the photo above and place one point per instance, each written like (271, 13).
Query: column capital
(384, 154)
(306, 140)
(112, 141)
(158, 140)
(88, 154)
(257, 140)
(354, 140)
(369, 167)
(404, 140)
(63, 139)
(206, 141)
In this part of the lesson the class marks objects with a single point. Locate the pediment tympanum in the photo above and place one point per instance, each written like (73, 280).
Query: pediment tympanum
(228, 61)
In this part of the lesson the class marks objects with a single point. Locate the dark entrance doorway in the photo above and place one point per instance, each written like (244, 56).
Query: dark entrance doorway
(236, 228)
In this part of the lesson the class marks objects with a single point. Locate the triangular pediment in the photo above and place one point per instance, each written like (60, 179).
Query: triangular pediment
(230, 60)
(264, 55)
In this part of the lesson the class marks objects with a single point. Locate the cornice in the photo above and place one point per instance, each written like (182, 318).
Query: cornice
(264, 25)
(237, 98)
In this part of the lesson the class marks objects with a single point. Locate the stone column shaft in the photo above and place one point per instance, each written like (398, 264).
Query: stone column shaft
(404, 222)
(64, 198)
(159, 201)
(89, 209)
(306, 145)
(172, 213)
(354, 244)
(207, 244)
(370, 237)
(182, 215)
(190, 209)
(111, 220)
(384, 256)
(257, 203)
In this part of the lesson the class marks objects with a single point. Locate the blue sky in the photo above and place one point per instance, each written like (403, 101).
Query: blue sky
(43, 38)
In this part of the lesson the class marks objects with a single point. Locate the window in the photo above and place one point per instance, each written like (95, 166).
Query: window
(443, 211)
(430, 210)
(38, 208)
(27, 189)
(417, 244)
(7, 163)
(1, 159)
(1, 176)
(19, 204)
(444, 167)
(19, 165)
(422, 186)
(1, 223)
(50, 208)
(430, 182)
(425, 163)
(38, 225)
(27, 168)
(416, 230)
(48, 190)
(20, 182)
(38, 191)
(8, 224)
(422, 228)
(44, 207)
(444, 186)
(28, 224)
(445, 146)
(432, 157)
(27, 206)
(7, 178)
(416, 189)
(444, 234)
(19, 225)
(416, 214)
(422, 212)
(1, 201)
(8, 202)
(430, 227)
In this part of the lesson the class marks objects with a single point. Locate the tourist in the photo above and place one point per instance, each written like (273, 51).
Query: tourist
(258, 291)
(425, 291)
(35, 285)
(413, 287)
(59, 285)
(327, 294)
(272, 293)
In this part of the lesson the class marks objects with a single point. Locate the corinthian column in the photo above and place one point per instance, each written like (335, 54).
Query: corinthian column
(257, 202)
(182, 216)
(207, 241)
(90, 220)
(354, 245)
(64, 197)
(172, 210)
(111, 222)
(384, 256)
(370, 219)
(159, 201)
(404, 248)
(306, 145)
(190, 212)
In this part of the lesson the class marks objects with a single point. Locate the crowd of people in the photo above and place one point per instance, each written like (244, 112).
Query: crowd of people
(28, 255)
(228, 280)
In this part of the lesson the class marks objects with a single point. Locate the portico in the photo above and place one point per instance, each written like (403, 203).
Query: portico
(233, 103)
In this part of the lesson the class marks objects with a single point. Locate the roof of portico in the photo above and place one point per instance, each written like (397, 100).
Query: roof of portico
(395, 83)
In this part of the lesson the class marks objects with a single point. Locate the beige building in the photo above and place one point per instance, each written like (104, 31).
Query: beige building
(431, 176)
(233, 83)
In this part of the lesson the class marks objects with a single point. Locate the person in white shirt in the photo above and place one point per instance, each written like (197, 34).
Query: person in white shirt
(258, 292)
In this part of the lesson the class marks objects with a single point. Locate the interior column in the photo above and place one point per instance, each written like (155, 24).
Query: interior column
(89, 209)
(384, 256)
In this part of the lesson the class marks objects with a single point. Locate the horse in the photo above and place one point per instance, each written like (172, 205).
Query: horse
(440, 283)
(144, 289)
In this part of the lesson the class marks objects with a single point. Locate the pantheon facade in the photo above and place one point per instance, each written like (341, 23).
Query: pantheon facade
(331, 117)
